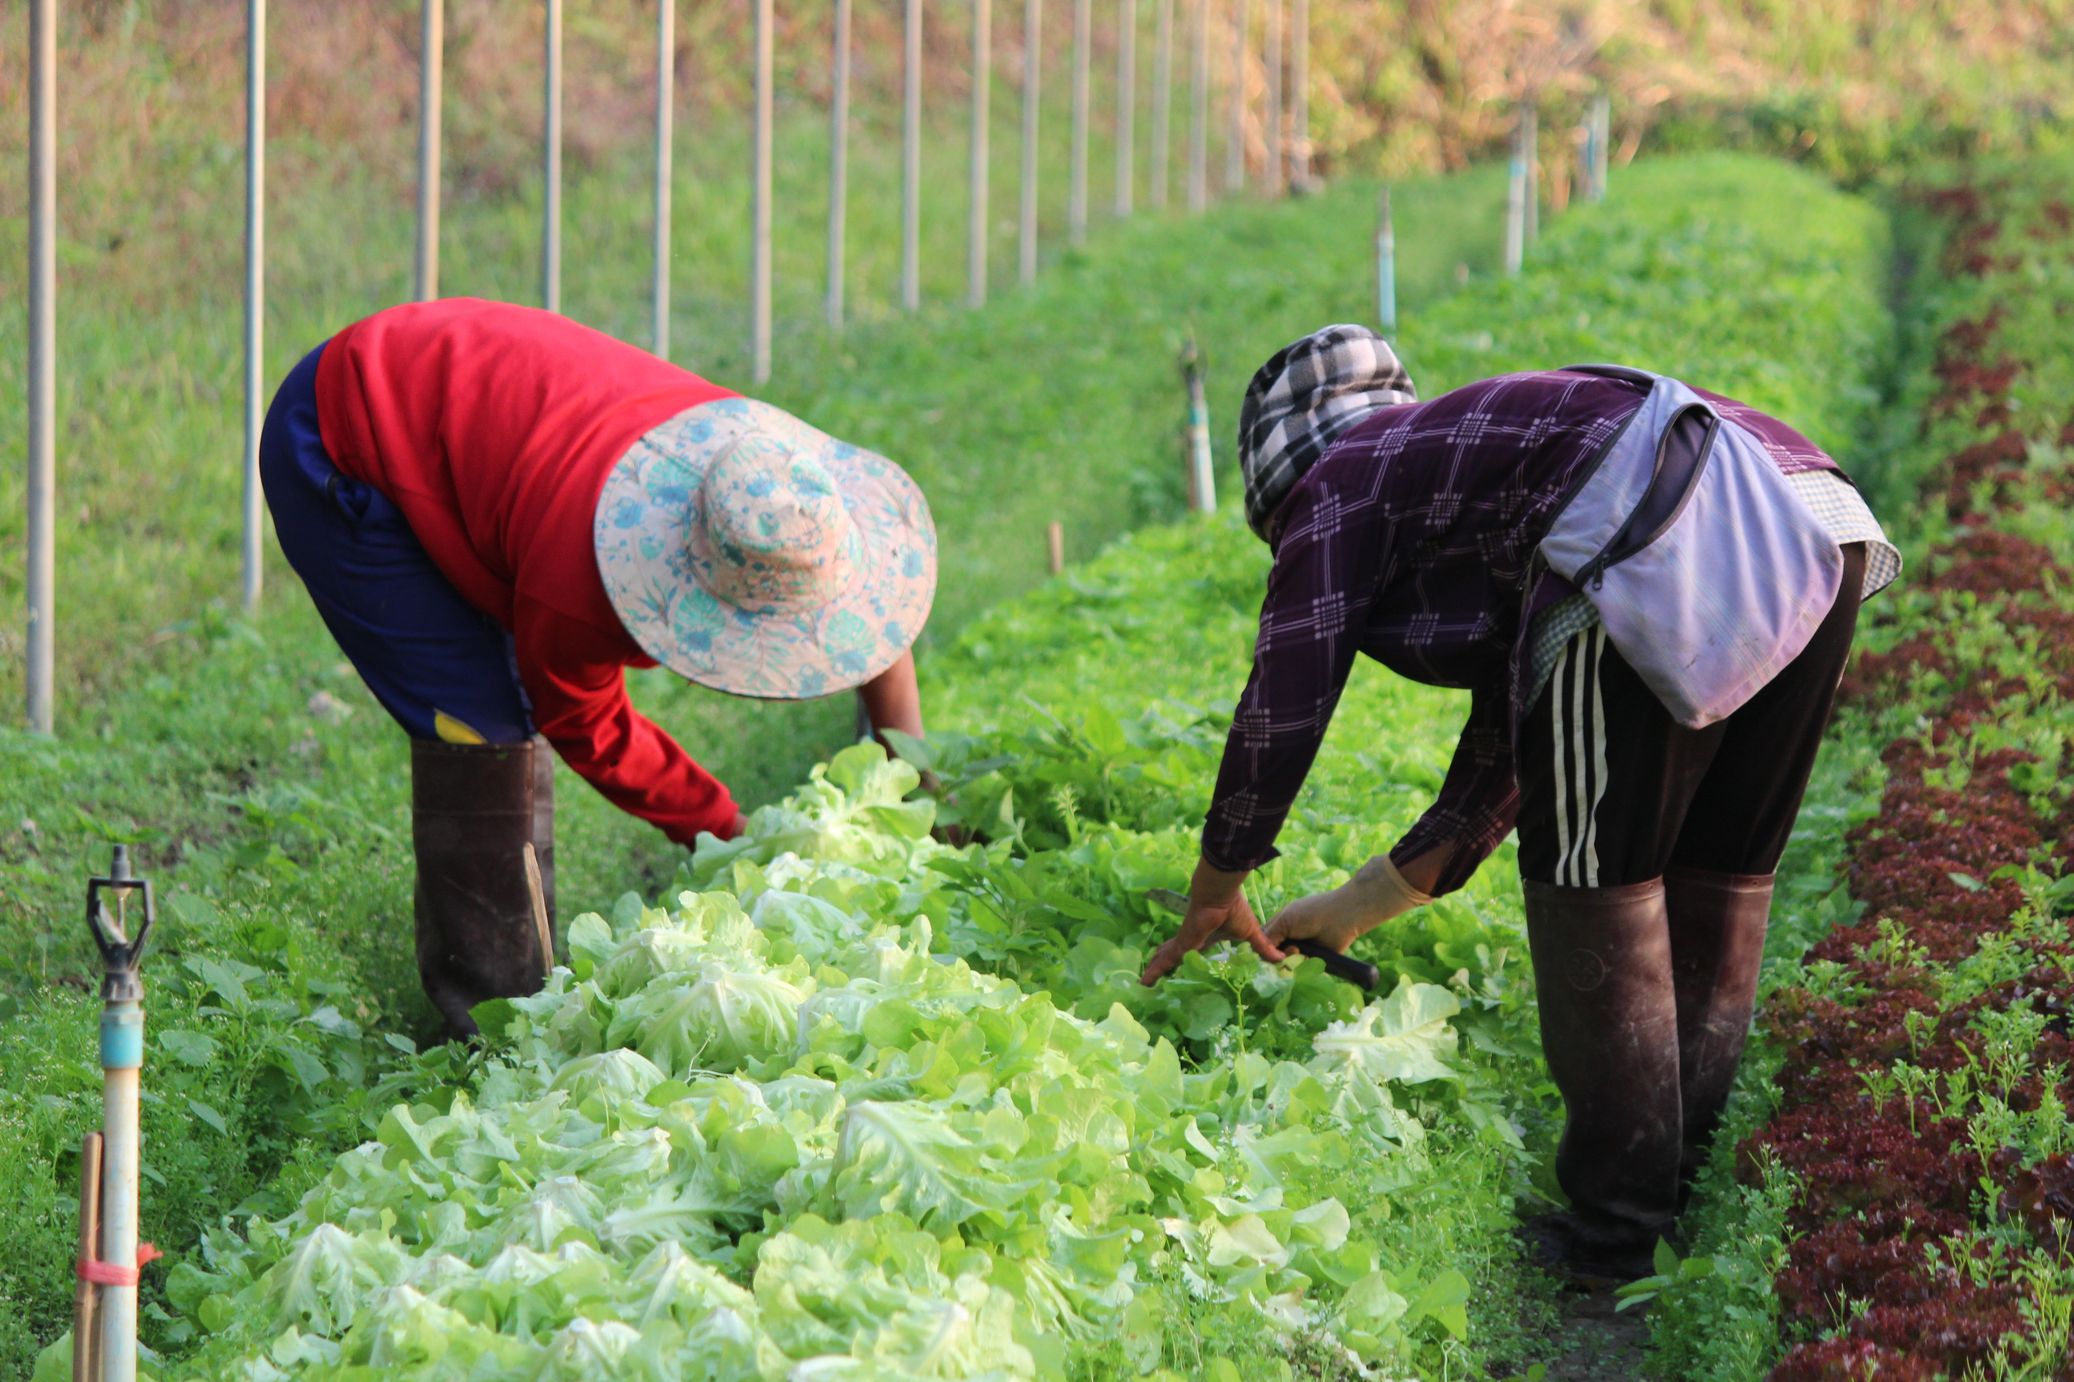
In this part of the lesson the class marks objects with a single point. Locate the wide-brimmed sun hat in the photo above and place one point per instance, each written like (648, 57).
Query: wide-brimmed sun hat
(1307, 394)
(749, 552)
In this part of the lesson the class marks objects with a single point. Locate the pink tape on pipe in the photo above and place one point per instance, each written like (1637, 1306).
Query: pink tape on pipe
(109, 1274)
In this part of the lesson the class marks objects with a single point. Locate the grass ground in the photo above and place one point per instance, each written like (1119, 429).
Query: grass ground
(267, 790)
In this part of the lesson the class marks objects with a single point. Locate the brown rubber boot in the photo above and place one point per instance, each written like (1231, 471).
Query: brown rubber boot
(1717, 947)
(1609, 1027)
(472, 812)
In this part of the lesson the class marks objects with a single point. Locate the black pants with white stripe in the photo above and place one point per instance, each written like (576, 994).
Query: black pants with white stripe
(1614, 791)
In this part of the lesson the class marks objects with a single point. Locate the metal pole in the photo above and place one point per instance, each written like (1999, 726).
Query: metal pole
(1274, 97)
(1202, 478)
(1033, 36)
(760, 208)
(1199, 109)
(982, 105)
(1602, 142)
(43, 357)
(1162, 102)
(1076, 201)
(1300, 89)
(551, 171)
(119, 1215)
(1531, 117)
(1588, 159)
(1235, 145)
(911, 162)
(1516, 201)
(431, 61)
(665, 126)
(255, 282)
(1385, 267)
(838, 163)
(1126, 106)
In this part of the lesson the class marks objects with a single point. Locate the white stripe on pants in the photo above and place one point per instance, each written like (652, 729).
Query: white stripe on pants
(1578, 738)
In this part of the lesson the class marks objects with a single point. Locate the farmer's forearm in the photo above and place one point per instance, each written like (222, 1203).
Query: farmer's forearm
(1422, 872)
(892, 700)
(1214, 887)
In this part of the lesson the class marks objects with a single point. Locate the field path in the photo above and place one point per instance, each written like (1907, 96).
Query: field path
(1598, 1344)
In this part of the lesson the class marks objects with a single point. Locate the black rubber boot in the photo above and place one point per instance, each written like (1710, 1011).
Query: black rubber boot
(1609, 1027)
(473, 809)
(1718, 922)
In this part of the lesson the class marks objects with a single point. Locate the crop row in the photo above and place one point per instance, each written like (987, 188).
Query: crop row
(1913, 1174)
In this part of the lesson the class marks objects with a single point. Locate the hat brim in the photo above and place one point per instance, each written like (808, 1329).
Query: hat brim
(660, 591)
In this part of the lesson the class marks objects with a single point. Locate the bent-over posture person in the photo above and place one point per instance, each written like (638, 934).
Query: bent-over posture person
(497, 511)
(1649, 592)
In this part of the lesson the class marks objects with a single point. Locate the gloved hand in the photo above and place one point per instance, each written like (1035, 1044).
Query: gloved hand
(1376, 893)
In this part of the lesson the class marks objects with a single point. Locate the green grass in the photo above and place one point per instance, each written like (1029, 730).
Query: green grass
(280, 835)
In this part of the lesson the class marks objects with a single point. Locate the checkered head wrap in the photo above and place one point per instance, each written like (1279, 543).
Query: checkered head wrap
(1301, 400)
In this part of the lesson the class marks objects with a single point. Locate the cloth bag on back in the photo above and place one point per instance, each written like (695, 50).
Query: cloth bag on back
(1708, 572)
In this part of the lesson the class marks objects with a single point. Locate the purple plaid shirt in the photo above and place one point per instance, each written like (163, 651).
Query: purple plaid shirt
(1410, 541)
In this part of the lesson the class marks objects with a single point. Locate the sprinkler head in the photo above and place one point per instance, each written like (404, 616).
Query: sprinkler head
(120, 951)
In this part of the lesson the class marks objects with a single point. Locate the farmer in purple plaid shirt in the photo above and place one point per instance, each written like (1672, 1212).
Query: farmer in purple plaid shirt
(1421, 534)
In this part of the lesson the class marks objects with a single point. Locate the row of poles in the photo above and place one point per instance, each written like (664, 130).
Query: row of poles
(1285, 27)
(1286, 33)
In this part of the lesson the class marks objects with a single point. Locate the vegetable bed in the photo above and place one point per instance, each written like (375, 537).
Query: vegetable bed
(859, 1104)
(1908, 1178)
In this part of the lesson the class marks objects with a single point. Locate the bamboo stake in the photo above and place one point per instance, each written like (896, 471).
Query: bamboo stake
(538, 893)
(1055, 540)
(86, 1360)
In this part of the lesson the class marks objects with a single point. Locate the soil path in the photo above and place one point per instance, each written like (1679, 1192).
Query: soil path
(1598, 1344)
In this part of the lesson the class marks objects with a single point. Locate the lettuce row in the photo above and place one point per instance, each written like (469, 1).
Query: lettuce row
(773, 1132)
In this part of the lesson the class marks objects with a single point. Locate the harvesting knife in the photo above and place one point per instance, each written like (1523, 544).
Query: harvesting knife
(1360, 973)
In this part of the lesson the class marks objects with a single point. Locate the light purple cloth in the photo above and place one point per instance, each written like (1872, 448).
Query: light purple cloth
(1714, 605)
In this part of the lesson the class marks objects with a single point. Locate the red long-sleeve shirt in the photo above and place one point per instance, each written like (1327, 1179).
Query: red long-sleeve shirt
(493, 427)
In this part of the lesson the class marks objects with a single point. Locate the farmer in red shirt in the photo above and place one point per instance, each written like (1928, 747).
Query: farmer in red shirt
(497, 511)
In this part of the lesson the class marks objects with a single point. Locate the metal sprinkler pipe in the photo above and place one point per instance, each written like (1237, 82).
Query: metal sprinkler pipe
(122, 1061)
(1202, 478)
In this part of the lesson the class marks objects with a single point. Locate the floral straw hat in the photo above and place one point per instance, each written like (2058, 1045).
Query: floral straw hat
(749, 552)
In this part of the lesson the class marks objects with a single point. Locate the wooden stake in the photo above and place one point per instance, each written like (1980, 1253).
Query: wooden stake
(539, 896)
(86, 1335)
(1055, 539)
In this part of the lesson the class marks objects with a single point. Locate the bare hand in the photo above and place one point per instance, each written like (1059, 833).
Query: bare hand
(1205, 923)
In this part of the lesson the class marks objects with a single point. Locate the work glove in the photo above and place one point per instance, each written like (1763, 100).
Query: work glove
(1376, 893)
